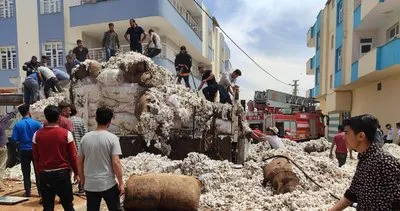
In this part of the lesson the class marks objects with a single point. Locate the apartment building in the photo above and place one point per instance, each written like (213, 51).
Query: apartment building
(51, 28)
(357, 60)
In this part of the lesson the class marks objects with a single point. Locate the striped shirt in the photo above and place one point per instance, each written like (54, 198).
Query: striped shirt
(79, 130)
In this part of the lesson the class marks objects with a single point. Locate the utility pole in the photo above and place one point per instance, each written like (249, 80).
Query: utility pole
(295, 87)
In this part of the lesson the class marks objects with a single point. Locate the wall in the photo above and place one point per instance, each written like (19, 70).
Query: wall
(367, 6)
(348, 41)
(357, 36)
(367, 99)
(90, 42)
(8, 37)
(51, 26)
(391, 20)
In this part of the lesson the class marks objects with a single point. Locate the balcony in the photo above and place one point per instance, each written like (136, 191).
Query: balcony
(375, 14)
(311, 41)
(378, 64)
(170, 18)
(310, 69)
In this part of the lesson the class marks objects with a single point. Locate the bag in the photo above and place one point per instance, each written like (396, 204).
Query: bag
(279, 173)
(162, 191)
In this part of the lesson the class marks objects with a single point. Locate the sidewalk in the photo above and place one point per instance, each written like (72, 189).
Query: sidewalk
(16, 188)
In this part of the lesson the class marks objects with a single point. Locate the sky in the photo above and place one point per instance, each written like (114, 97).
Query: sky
(274, 33)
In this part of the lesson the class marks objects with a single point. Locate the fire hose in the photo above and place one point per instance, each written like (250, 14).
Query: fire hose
(306, 175)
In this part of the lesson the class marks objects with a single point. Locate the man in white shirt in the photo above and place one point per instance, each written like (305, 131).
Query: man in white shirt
(389, 136)
(227, 84)
(50, 81)
(271, 137)
(154, 45)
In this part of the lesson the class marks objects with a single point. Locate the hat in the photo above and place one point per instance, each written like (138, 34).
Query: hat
(274, 129)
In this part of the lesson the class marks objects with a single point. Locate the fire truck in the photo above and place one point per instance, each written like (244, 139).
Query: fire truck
(294, 116)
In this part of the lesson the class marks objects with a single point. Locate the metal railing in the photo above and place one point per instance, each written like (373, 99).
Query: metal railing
(167, 52)
(187, 16)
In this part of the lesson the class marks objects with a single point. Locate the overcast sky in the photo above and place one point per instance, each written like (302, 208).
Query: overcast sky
(273, 32)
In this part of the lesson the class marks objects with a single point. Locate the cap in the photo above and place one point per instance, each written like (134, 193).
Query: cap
(274, 129)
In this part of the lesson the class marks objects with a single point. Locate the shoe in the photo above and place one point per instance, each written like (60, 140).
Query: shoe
(26, 194)
(80, 193)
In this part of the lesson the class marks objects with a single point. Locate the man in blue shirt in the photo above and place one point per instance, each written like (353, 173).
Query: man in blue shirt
(135, 33)
(23, 133)
(31, 88)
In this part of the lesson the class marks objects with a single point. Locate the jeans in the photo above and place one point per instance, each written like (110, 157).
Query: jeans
(136, 47)
(153, 52)
(111, 196)
(31, 91)
(209, 92)
(224, 95)
(56, 182)
(341, 157)
(52, 83)
(26, 158)
(109, 53)
(185, 78)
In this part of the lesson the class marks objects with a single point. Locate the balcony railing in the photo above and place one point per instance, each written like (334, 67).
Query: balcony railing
(99, 55)
(187, 16)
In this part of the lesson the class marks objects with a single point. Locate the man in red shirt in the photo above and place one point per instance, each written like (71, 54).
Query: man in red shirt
(341, 149)
(65, 113)
(54, 155)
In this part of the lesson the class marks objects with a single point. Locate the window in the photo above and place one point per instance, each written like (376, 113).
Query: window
(6, 8)
(379, 86)
(318, 40)
(50, 6)
(339, 59)
(332, 41)
(55, 53)
(8, 58)
(317, 76)
(340, 13)
(392, 32)
(331, 81)
(365, 45)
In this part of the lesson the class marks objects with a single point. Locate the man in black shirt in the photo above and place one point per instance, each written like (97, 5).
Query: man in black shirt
(135, 33)
(212, 86)
(376, 183)
(80, 53)
(183, 63)
(31, 66)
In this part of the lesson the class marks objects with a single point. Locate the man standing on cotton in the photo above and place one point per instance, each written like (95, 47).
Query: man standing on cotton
(136, 36)
(55, 155)
(110, 42)
(99, 164)
(228, 85)
(23, 133)
(212, 86)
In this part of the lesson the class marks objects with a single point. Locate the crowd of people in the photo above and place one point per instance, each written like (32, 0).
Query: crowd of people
(61, 148)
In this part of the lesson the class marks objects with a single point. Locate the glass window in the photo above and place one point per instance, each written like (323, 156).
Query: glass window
(55, 53)
(6, 8)
(392, 32)
(8, 58)
(339, 59)
(365, 45)
(340, 13)
(50, 6)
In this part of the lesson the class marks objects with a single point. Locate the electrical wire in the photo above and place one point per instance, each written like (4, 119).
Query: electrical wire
(241, 49)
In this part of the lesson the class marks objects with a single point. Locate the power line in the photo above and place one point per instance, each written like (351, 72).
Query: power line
(215, 22)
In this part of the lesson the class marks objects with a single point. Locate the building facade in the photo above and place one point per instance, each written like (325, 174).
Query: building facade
(51, 28)
(357, 60)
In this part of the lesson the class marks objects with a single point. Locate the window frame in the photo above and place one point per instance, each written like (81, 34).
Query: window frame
(55, 53)
(332, 41)
(7, 9)
(330, 81)
(395, 27)
(10, 56)
(340, 12)
(339, 59)
(364, 42)
(50, 6)
(318, 40)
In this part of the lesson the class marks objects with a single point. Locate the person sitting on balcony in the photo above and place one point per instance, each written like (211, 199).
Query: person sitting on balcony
(212, 86)
(110, 42)
(227, 85)
(31, 66)
(183, 63)
(154, 46)
(135, 33)
(80, 53)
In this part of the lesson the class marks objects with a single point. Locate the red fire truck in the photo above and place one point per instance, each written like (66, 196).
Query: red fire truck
(294, 116)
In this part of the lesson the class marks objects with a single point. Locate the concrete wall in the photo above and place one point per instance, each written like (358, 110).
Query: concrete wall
(383, 104)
